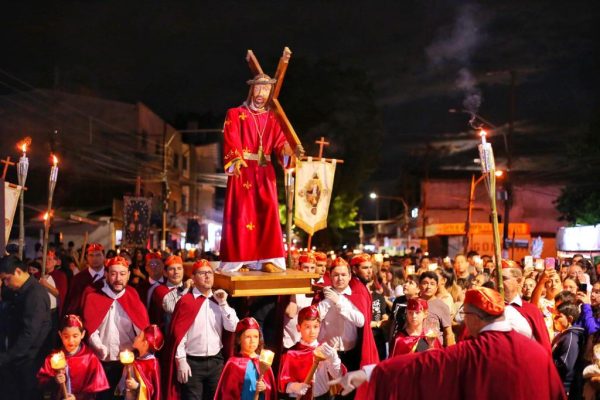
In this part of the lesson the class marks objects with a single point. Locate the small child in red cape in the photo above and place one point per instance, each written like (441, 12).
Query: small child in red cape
(413, 337)
(240, 376)
(297, 361)
(143, 381)
(83, 375)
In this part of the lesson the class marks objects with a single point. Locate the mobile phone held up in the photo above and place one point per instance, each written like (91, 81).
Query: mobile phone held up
(550, 263)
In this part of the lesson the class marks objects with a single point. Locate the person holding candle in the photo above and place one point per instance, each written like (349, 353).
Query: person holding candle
(412, 338)
(194, 350)
(93, 276)
(243, 374)
(113, 316)
(84, 376)
(29, 316)
(295, 367)
(142, 381)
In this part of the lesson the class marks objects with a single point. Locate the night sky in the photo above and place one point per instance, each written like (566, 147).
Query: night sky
(188, 57)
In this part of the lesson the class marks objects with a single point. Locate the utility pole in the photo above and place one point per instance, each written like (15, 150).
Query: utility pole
(507, 141)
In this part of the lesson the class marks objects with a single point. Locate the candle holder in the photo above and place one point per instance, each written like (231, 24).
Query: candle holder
(22, 169)
(127, 357)
(265, 360)
(51, 186)
(58, 362)
(318, 356)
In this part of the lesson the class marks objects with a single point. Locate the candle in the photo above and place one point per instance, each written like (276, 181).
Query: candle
(126, 357)
(58, 361)
(483, 133)
(54, 169)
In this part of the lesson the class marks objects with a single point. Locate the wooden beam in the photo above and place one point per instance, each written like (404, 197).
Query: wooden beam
(280, 73)
(288, 129)
(255, 67)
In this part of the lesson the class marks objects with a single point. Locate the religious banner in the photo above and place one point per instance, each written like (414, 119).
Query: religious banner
(136, 220)
(314, 183)
(11, 200)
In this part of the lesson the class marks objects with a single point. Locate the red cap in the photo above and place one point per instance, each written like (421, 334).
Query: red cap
(417, 305)
(154, 337)
(200, 263)
(153, 256)
(95, 247)
(307, 258)
(295, 252)
(173, 260)
(71, 321)
(308, 313)
(509, 264)
(339, 262)
(118, 260)
(359, 259)
(245, 324)
(320, 256)
(485, 299)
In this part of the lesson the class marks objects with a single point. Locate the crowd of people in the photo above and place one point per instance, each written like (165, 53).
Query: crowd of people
(140, 327)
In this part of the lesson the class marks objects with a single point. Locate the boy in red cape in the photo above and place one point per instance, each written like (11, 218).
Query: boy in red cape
(84, 375)
(113, 316)
(346, 305)
(297, 361)
(498, 363)
(144, 383)
(239, 379)
(411, 338)
(193, 359)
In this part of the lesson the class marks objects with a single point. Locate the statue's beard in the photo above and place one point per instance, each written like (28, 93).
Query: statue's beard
(257, 107)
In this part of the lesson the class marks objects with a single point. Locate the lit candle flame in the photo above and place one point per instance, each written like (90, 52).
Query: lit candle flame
(58, 361)
(46, 216)
(126, 357)
(483, 134)
(24, 147)
(54, 160)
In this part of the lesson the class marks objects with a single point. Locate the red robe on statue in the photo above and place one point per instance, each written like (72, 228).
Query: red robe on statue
(251, 227)
(96, 305)
(231, 385)
(295, 365)
(85, 374)
(74, 300)
(495, 365)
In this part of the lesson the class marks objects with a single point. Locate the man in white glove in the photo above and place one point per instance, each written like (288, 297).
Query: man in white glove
(195, 341)
(297, 361)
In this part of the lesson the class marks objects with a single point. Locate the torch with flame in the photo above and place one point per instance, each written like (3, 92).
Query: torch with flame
(22, 169)
(265, 360)
(51, 185)
(58, 362)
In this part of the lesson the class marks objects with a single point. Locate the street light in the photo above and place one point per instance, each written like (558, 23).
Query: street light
(405, 217)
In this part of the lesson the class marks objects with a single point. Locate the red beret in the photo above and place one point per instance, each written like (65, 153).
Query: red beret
(245, 324)
(417, 305)
(359, 259)
(295, 252)
(320, 256)
(509, 264)
(339, 262)
(200, 263)
(118, 260)
(308, 313)
(153, 256)
(307, 258)
(154, 337)
(173, 260)
(485, 299)
(95, 247)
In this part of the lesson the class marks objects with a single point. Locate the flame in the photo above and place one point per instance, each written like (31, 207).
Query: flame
(482, 133)
(499, 174)
(24, 147)
(54, 160)
(45, 217)
(126, 357)
(58, 361)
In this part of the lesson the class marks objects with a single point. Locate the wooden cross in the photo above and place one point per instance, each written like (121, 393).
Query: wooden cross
(138, 186)
(256, 69)
(6, 163)
(322, 143)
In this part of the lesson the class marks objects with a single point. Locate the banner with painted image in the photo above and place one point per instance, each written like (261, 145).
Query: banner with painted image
(314, 184)
(11, 200)
(136, 220)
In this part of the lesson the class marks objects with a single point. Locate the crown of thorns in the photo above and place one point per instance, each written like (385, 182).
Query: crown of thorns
(261, 79)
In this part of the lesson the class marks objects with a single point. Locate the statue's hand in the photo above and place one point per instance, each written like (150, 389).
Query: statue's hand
(237, 166)
(299, 151)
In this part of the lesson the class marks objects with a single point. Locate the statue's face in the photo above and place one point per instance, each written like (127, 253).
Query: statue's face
(260, 95)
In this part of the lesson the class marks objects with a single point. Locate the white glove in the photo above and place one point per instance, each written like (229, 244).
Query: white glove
(350, 381)
(183, 370)
(332, 295)
(297, 388)
(328, 351)
(220, 296)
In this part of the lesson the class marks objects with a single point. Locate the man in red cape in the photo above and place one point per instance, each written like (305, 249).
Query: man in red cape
(91, 276)
(347, 327)
(251, 228)
(512, 276)
(498, 363)
(155, 269)
(190, 368)
(113, 316)
(166, 295)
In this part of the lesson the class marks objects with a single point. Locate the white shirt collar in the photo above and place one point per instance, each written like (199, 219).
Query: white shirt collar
(346, 291)
(197, 293)
(106, 289)
(499, 326)
(314, 343)
(93, 273)
(517, 300)
(170, 285)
